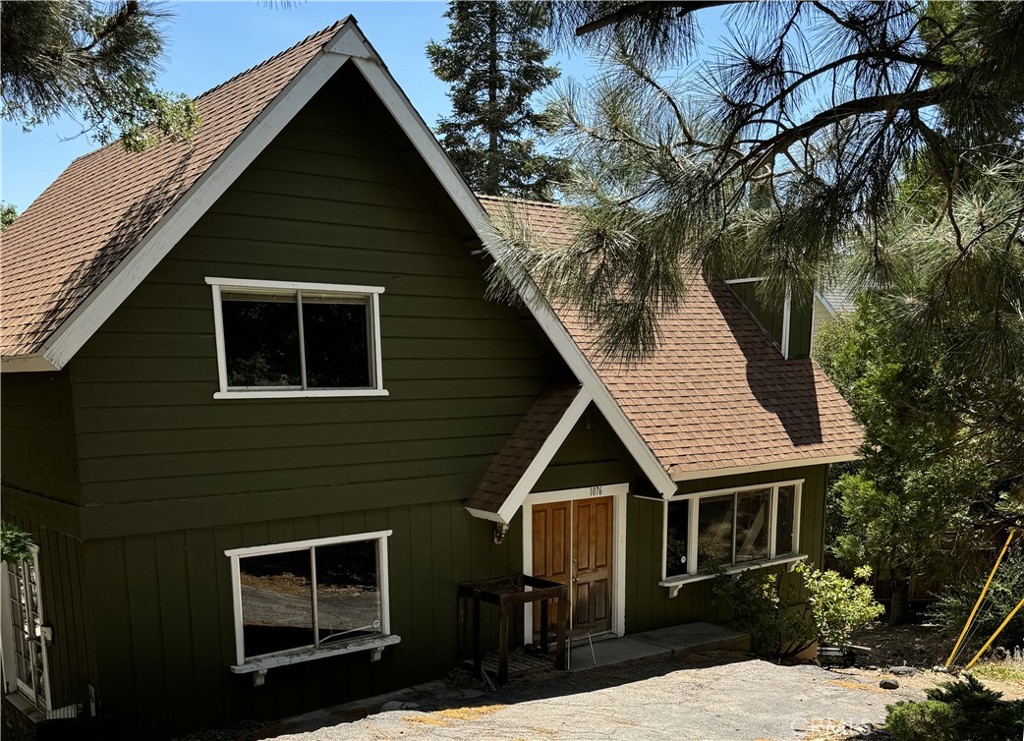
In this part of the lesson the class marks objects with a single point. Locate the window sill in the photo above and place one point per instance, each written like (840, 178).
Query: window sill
(298, 394)
(261, 664)
(676, 583)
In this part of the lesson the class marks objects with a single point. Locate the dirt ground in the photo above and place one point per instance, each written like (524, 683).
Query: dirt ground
(924, 647)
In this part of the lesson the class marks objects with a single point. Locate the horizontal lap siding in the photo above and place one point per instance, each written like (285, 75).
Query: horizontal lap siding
(167, 638)
(337, 198)
(648, 605)
(38, 432)
(172, 478)
(590, 456)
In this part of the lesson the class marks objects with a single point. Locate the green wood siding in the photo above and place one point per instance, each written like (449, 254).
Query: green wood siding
(38, 432)
(769, 314)
(164, 625)
(648, 605)
(338, 197)
(591, 455)
(802, 325)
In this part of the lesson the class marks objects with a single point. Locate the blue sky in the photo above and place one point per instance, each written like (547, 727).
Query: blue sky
(208, 42)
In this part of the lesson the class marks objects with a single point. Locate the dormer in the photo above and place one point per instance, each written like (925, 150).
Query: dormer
(786, 319)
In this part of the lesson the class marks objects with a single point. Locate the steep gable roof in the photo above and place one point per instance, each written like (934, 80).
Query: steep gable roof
(87, 221)
(717, 396)
(44, 334)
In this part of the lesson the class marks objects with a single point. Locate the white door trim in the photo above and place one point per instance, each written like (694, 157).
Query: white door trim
(618, 493)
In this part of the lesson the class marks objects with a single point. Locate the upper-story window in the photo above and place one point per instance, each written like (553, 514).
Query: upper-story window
(278, 339)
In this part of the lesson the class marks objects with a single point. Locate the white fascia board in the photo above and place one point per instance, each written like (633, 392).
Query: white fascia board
(715, 472)
(533, 472)
(485, 515)
(34, 363)
(116, 287)
(420, 135)
(547, 451)
(825, 302)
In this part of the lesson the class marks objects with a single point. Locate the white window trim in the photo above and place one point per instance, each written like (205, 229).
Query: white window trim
(375, 644)
(256, 287)
(14, 685)
(674, 583)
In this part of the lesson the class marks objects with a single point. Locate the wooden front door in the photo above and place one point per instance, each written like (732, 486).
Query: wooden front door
(572, 544)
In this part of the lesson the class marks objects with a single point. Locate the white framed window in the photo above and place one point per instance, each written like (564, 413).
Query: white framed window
(24, 632)
(734, 529)
(282, 339)
(310, 599)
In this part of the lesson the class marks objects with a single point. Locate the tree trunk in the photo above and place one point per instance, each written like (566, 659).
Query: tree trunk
(491, 186)
(899, 610)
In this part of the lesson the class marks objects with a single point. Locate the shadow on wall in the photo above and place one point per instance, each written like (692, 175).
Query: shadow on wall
(786, 388)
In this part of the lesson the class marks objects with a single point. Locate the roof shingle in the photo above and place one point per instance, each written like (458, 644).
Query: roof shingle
(717, 394)
(90, 218)
(511, 462)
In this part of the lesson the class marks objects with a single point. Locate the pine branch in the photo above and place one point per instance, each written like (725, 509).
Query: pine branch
(640, 8)
(907, 101)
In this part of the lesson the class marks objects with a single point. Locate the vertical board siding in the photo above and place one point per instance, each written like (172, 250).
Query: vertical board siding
(167, 636)
(648, 605)
(38, 432)
(336, 198)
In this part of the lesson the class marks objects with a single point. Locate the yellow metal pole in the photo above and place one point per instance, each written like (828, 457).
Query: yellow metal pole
(980, 598)
(995, 635)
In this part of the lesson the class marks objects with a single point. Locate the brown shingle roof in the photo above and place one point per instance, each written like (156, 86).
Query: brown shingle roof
(509, 465)
(717, 394)
(90, 218)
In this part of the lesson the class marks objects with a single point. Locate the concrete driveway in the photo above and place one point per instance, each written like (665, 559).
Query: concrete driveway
(713, 696)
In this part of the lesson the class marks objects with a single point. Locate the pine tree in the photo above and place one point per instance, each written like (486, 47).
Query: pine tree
(95, 62)
(890, 130)
(495, 62)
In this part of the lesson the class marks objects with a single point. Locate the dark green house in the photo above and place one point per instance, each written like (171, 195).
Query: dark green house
(260, 420)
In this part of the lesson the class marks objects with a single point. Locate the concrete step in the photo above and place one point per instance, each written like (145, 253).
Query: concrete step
(677, 640)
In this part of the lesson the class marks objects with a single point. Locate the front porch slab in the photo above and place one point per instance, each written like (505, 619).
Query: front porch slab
(677, 640)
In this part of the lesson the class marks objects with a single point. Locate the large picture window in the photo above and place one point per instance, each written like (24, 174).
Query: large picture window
(296, 339)
(298, 601)
(729, 529)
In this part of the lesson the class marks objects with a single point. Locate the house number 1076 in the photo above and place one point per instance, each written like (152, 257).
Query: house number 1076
(595, 491)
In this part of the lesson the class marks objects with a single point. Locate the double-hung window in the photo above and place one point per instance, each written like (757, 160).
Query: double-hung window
(305, 600)
(732, 529)
(279, 339)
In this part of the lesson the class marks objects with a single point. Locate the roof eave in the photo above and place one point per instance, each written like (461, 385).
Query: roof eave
(705, 473)
(34, 363)
(76, 330)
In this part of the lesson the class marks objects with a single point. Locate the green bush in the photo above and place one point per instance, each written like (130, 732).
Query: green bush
(964, 710)
(15, 543)
(783, 620)
(953, 605)
(773, 615)
(839, 606)
(919, 721)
